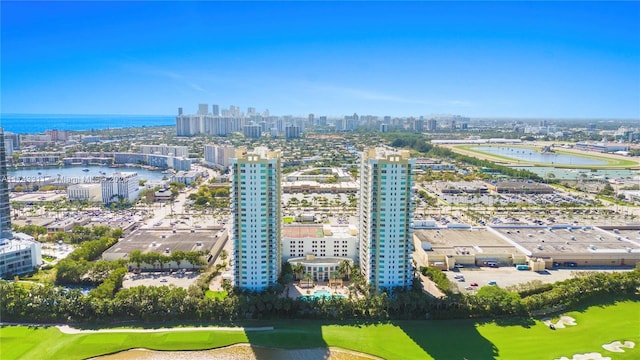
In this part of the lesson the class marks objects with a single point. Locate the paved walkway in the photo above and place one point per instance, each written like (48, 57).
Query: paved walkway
(66, 329)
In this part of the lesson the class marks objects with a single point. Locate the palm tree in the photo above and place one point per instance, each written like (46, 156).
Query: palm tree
(308, 278)
(345, 269)
(298, 270)
(335, 275)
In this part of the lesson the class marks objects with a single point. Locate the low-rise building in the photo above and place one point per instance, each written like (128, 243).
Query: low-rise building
(166, 241)
(519, 187)
(85, 192)
(19, 254)
(319, 240)
(576, 245)
(186, 177)
(444, 248)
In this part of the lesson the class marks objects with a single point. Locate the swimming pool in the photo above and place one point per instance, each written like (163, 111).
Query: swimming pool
(319, 294)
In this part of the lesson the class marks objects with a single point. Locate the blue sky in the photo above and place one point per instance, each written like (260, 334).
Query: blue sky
(503, 59)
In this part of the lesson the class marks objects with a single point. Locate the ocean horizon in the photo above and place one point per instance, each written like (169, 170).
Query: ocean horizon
(38, 123)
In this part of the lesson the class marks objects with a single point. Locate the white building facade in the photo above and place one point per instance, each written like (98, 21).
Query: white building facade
(257, 218)
(164, 149)
(19, 254)
(385, 212)
(85, 192)
(336, 241)
(218, 155)
(120, 186)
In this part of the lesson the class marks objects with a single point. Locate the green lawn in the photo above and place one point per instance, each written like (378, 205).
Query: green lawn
(456, 339)
(215, 294)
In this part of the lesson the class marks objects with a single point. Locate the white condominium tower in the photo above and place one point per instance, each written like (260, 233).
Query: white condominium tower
(255, 201)
(385, 211)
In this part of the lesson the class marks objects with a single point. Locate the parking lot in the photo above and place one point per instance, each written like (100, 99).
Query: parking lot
(508, 276)
(179, 279)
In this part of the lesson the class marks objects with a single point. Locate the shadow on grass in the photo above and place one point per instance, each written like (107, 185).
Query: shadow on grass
(302, 340)
(449, 339)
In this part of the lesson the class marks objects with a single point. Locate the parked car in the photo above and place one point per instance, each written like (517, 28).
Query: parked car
(474, 284)
(492, 282)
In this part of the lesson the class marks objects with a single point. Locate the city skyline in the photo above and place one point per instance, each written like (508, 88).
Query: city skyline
(506, 59)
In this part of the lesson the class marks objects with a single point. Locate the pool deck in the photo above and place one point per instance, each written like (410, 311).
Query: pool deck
(299, 288)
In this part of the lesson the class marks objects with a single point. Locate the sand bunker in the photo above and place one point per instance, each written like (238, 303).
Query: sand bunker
(560, 324)
(618, 346)
(587, 356)
(241, 352)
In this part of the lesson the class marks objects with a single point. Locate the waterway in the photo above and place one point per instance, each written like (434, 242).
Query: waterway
(240, 352)
(76, 174)
(529, 155)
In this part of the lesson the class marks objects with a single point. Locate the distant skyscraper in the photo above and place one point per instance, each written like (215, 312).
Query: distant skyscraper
(255, 204)
(292, 132)
(5, 207)
(432, 125)
(253, 131)
(385, 211)
(179, 111)
(203, 109)
(418, 124)
(215, 110)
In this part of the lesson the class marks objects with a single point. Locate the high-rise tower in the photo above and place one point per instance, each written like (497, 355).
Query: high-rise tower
(255, 203)
(385, 212)
(5, 207)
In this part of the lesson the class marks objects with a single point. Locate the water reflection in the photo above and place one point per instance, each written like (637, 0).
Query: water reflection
(241, 352)
(529, 155)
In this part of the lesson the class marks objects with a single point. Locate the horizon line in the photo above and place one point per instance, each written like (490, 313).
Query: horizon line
(304, 116)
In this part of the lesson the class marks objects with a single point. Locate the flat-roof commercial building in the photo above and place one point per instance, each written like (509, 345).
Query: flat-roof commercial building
(563, 245)
(444, 248)
(457, 187)
(293, 187)
(600, 147)
(165, 242)
(320, 174)
(520, 187)
(578, 246)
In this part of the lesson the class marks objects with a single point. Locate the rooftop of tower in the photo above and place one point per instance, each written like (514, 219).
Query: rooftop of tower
(383, 153)
(262, 152)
